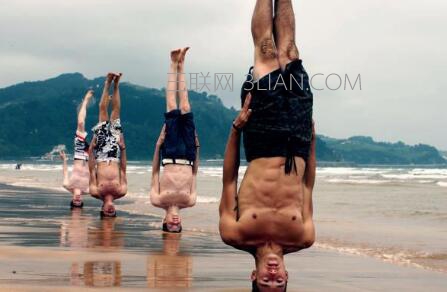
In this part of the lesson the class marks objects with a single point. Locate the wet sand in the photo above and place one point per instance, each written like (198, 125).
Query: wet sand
(45, 246)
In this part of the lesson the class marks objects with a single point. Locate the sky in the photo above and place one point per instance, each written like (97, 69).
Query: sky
(398, 47)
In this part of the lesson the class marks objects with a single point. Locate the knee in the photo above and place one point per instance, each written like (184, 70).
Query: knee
(266, 48)
(185, 109)
(288, 53)
(103, 106)
(171, 105)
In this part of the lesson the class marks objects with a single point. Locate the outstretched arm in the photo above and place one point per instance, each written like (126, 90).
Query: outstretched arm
(228, 215)
(66, 181)
(93, 188)
(155, 182)
(123, 168)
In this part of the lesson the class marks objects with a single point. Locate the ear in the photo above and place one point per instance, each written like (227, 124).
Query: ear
(253, 275)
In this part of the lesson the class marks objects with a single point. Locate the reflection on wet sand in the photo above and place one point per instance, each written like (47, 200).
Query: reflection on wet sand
(105, 237)
(102, 274)
(171, 269)
(76, 233)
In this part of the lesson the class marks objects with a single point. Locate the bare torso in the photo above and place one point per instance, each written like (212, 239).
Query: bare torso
(80, 176)
(270, 205)
(108, 179)
(175, 185)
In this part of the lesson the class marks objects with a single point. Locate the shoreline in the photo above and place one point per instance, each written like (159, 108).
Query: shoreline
(38, 222)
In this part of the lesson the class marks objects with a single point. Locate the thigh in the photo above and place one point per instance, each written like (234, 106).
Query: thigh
(189, 135)
(297, 79)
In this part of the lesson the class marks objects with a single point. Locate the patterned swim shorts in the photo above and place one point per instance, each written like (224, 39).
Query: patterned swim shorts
(107, 135)
(81, 146)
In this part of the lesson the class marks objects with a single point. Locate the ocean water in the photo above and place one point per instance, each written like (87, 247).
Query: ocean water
(397, 215)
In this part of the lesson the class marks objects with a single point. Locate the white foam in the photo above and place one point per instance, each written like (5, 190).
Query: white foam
(357, 181)
(207, 200)
(442, 184)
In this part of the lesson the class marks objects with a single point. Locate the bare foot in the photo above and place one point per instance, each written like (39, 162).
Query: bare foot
(89, 95)
(116, 78)
(109, 78)
(175, 56)
(183, 54)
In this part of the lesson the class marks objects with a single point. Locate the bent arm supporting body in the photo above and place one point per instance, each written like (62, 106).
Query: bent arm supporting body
(195, 169)
(228, 216)
(93, 186)
(66, 181)
(123, 173)
(155, 182)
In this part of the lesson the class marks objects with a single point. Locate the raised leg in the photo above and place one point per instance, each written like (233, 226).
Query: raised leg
(116, 98)
(262, 31)
(83, 111)
(172, 87)
(285, 32)
(105, 99)
(185, 107)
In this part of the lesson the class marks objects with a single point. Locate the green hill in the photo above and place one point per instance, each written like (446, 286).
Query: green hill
(35, 116)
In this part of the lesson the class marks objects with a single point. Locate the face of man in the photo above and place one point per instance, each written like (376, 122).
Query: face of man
(173, 222)
(270, 274)
(109, 209)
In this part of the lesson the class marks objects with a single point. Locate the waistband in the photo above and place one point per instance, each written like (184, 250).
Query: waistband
(176, 161)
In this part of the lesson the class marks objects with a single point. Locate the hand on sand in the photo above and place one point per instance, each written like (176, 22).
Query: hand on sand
(244, 114)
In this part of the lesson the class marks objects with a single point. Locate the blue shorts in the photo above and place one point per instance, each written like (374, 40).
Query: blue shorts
(180, 139)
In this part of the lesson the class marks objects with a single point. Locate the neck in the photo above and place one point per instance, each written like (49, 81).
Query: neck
(268, 249)
(172, 210)
(108, 199)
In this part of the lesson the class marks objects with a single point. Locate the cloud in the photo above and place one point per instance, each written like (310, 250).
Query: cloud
(397, 46)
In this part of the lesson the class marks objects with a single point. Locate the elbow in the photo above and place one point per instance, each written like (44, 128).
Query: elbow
(227, 237)
(308, 242)
(155, 201)
(192, 201)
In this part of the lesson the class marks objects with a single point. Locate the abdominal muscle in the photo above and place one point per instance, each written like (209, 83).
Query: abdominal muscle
(271, 199)
(108, 178)
(175, 185)
(80, 176)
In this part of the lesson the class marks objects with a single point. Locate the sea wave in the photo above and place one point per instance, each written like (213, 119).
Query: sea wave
(395, 255)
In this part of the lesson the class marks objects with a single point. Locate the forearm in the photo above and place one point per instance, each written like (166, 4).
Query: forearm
(123, 174)
(154, 194)
(311, 165)
(92, 169)
(65, 173)
(123, 167)
(230, 173)
(155, 188)
(232, 157)
(196, 162)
